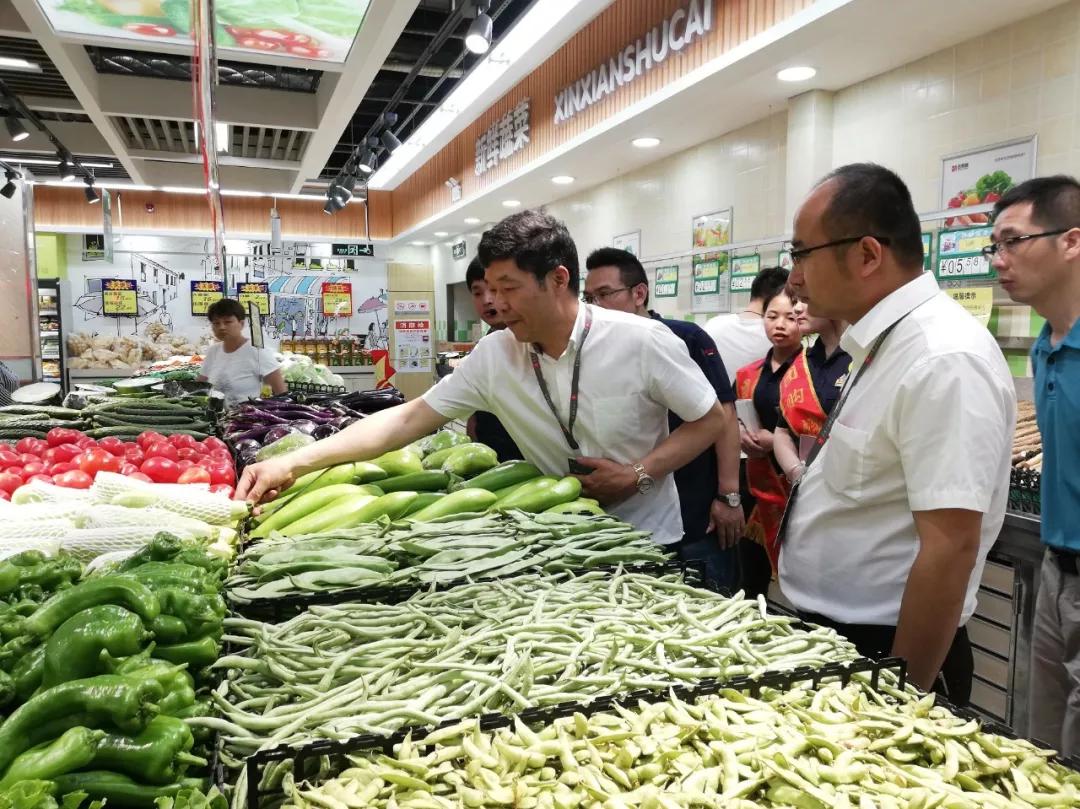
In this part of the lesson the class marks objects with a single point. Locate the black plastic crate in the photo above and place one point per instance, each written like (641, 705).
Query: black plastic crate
(306, 758)
(1024, 492)
(312, 387)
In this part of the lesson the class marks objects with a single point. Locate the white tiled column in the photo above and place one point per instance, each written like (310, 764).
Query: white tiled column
(809, 146)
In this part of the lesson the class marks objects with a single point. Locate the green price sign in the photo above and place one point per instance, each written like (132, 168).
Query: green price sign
(927, 249)
(743, 271)
(960, 254)
(667, 282)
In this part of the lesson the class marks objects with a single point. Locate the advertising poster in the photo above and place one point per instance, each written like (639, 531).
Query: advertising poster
(205, 293)
(255, 292)
(981, 176)
(978, 301)
(412, 345)
(630, 242)
(710, 230)
(119, 297)
(960, 254)
(337, 299)
(743, 271)
(667, 282)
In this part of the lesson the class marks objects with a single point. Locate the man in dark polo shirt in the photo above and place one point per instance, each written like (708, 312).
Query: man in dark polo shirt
(708, 486)
(484, 427)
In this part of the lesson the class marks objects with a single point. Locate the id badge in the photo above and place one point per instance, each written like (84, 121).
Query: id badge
(579, 468)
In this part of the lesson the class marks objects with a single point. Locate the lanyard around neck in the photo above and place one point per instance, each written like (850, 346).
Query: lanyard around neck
(567, 429)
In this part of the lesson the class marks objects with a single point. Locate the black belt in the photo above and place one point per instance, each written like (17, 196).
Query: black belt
(1068, 562)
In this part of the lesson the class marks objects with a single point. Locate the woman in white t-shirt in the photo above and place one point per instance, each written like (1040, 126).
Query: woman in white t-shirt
(234, 367)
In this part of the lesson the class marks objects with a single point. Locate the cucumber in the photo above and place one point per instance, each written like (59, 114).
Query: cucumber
(331, 476)
(543, 493)
(430, 481)
(502, 493)
(423, 500)
(302, 505)
(503, 476)
(463, 501)
(339, 513)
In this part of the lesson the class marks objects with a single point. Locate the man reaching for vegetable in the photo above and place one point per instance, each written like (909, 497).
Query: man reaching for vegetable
(580, 389)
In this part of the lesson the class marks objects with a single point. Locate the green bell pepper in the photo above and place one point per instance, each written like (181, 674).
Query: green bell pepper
(104, 590)
(159, 754)
(72, 751)
(75, 649)
(119, 791)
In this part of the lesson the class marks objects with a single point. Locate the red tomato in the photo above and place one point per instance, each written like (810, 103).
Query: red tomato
(42, 477)
(28, 457)
(213, 442)
(148, 29)
(34, 446)
(222, 474)
(147, 438)
(9, 482)
(217, 488)
(160, 470)
(98, 460)
(162, 449)
(183, 466)
(179, 440)
(61, 468)
(135, 456)
(4, 495)
(86, 442)
(62, 435)
(189, 454)
(61, 454)
(8, 458)
(31, 469)
(130, 445)
(221, 455)
(75, 479)
(53, 455)
(140, 476)
(128, 469)
(195, 474)
(112, 444)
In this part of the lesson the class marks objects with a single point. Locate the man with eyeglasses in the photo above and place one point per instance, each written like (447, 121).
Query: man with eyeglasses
(708, 485)
(905, 488)
(1036, 253)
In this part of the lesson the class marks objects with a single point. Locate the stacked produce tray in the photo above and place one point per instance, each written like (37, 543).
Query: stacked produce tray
(312, 387)
(1025, 487)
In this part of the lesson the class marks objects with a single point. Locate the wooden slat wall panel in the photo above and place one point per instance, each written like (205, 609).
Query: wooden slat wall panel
(423, 194)
(63, 207)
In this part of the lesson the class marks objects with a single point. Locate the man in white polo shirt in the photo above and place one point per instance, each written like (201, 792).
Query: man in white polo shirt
(887, 533)
(579, 388)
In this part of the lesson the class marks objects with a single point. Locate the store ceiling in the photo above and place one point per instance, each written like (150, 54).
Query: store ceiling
(297, 93)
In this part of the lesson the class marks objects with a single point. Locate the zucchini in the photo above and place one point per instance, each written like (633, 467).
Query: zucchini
(469, 460)
(339, 513)
(502, 476)
(463, 501)
(399, 462)
(49, 410)
(429, 481)
(423, 500)
(436, 459)
(543, 493)
(303, 505)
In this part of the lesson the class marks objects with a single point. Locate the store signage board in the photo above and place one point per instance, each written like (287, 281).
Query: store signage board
(419, 307)
(204, 293)
(710, 230)
(743, 271)
(503, 139)
(960, 257)
(630, 242)
(981, 176)
(978, 301)
(256, 292)
(412, 346)
(352, 250)
(337, 299)
(667, 282)
(458, 250)
(119, 297)
(927, 249)
(684, 27)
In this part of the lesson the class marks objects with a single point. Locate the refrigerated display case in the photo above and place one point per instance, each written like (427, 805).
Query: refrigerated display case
(50, 366)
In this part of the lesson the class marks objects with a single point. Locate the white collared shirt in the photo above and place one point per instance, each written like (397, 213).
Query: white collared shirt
(928, 426)
(633, 371)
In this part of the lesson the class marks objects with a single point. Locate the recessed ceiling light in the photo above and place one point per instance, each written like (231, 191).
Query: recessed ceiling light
(419, 244)
(562, 179)
(645, 143)
(471, 220)
(442, 234)
(511, 203)
(800, 73)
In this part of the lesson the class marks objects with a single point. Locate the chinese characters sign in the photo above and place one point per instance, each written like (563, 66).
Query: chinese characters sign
(667, 282)
(254, 292)
(337, 300)
(504, 138)
(743, 271)
(119, 297)
(204, 293)
(979, 302)
(412, 345)
(960, 254)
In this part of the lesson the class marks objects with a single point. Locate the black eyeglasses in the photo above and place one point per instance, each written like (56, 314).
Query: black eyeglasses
(803, 252)
(1007, 245)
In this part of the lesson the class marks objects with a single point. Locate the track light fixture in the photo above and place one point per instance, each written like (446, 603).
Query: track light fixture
(91, 193)
(8, 191)
(67, 168)
(478, 38)
(15, 127)
(367, 161)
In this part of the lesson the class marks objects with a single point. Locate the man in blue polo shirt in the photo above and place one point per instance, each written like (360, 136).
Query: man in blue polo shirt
(708, 486)
(1036, 252)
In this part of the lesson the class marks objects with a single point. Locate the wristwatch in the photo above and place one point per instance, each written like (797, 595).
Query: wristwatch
(645, 481)
(733, 499)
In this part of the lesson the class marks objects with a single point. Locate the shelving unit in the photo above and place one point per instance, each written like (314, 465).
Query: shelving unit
(50, 365)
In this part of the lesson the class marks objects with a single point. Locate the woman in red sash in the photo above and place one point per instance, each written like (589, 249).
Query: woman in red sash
(760, 381)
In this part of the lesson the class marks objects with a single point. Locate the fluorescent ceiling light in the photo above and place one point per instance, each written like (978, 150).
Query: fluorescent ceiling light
(645, 143)
(41, 161)
(221, 135)
(230, 192)
(533, 26)
(511, 203)
(471, 220)
(442, 234)
(419, 244)
(182, 189)
(800, 73)
(11, 63)
(562, 179)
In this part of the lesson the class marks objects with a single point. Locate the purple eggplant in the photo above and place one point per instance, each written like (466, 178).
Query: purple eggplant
(244, 444)
(305, 426)
(324, 431)
(253, 433)
(277, 432)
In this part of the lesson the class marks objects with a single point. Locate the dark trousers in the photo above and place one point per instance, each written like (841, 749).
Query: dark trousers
(755, 569)
(954, 681)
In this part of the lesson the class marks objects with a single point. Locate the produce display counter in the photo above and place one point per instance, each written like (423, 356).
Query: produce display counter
(357, 377)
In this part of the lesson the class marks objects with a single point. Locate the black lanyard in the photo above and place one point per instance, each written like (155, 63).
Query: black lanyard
(567, 430)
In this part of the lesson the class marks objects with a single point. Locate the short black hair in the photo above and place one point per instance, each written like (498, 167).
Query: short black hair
(768, 282)
(536, 241)
(784, 290)
(474, 273)
(631, 273)
(1055, 201)
(871, 200)
(226, 307)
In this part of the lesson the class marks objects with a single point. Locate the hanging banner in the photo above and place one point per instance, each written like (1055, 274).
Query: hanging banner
(710, 230)
(743, 271)
(960, 254)
(119, 297)
(255, 292)
(978, 301)
(337, 300)
(981, 176)
(667, 282)
(205, 293)
(927, 249)
(106, 222)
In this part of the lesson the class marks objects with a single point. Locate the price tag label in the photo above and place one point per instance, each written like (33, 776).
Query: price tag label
(337, 300)
(205, 293)
(667, 282)
(254, 292)
(960, 254)
(743, 271)
(119, 297)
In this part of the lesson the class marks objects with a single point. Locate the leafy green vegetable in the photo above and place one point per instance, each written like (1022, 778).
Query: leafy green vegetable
(194, 799)
(39, 795)
(998, 182)
(256, 13)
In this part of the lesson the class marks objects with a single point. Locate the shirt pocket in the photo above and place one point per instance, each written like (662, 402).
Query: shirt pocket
(844, 462)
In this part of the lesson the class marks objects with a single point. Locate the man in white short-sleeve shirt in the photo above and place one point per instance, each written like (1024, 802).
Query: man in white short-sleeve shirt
(631, 372)
(889, 528)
